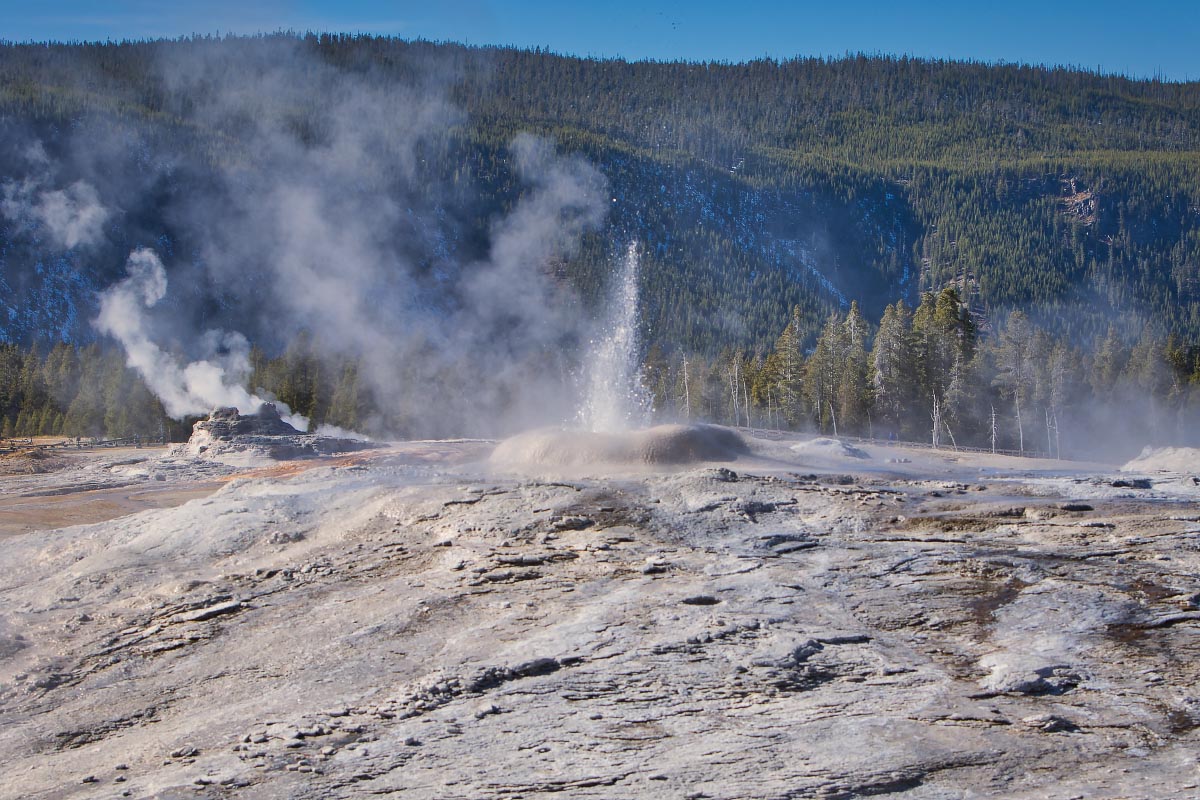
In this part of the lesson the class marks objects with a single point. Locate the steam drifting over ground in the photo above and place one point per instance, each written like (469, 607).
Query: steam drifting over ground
(196, 388)
(335, 218)
(679, 611)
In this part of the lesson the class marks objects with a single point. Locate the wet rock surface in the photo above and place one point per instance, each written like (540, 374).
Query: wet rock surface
(431, 632)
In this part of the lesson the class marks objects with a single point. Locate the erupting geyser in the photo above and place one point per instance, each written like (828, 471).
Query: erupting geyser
(616, 399)
(616, 408)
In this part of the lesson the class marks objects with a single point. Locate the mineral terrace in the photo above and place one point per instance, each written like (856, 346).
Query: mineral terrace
(789, 618)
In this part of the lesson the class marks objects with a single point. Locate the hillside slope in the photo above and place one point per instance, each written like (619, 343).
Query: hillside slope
(754, 188)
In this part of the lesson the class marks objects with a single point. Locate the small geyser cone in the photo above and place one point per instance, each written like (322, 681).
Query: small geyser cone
(663, 445)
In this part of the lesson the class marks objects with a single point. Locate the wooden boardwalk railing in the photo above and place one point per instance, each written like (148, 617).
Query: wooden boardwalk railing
(82, 443)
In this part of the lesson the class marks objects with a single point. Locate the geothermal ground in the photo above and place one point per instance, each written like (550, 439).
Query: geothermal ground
(806, 619)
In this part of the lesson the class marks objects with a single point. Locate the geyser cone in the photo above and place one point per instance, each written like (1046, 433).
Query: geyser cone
(243, 439)
(225, 423)
(661, 445)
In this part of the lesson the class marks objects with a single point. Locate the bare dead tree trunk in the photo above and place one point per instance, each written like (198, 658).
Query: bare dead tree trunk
(733, 391)
(1020, 427)
(687, 393)
(950, 433)
(936, 414)
(993, 430)
(1057, 439)
(746, 399)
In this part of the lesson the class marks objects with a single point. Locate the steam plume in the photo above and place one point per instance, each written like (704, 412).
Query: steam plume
(190, 389)
(346, 207)
(72, 217)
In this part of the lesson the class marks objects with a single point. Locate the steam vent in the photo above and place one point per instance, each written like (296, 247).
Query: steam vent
(228, 435)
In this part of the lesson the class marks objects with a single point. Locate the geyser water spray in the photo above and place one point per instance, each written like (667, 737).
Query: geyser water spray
(615, 398)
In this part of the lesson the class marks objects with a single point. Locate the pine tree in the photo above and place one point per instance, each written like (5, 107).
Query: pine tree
(345, 408)
(1062, 380)
(1108, 364)
(789, 372)
(822, 375)
(928, 358)
(764, 388)
(34, 396)
(11, 363)
(853, 391)
(944, 337)
(85, 415)
(893, 368)
(61, 374)
(656, 376)
(1015, 367)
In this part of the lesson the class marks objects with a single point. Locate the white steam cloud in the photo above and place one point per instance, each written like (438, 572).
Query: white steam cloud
(354, 233)
(189, 389)
(72, 217)
(351, 206)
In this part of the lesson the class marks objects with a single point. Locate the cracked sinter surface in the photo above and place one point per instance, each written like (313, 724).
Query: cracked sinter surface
(416, 622)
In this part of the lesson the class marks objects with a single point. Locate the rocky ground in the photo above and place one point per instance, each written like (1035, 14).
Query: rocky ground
(794, 623)
(236, 439)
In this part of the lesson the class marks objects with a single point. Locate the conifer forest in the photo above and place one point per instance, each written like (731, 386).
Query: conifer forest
(969, 255)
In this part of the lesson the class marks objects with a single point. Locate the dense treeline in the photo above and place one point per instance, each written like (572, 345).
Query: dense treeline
(71, 391)
(922, 374)
(926, 374)
(90, 392)
(824, 199)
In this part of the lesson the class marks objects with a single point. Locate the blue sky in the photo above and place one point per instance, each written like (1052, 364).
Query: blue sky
(1143, 38)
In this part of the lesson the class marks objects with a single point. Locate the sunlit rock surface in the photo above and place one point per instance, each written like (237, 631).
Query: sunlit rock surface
(227, 435)
(420, 622)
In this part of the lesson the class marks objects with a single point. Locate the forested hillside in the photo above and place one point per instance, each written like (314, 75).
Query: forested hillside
(764, 196)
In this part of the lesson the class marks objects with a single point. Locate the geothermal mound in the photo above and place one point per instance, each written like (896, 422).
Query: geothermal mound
(30, 462)
(661, 445)
(831, 448)
(227, 423)
(230, 436)
(1166, 459)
